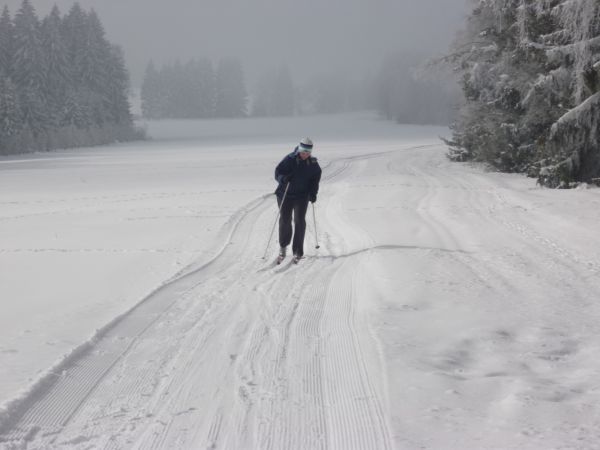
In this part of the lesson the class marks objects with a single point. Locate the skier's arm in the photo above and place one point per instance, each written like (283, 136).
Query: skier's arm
(283, 172)
(314, 186)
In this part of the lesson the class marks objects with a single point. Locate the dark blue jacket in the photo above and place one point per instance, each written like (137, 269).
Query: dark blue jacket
(305, 176)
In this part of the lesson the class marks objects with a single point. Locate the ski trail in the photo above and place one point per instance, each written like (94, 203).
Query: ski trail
(45, 414)
(220, 347)
(354, 405)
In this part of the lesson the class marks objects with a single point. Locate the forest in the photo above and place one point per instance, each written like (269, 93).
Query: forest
(62, 83)
(530, 74)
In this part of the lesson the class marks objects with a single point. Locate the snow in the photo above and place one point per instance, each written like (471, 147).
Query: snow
(574, 114)
(446, 308)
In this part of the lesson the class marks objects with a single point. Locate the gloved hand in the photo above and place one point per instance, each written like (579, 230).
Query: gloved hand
(312, 198)
(285, 179)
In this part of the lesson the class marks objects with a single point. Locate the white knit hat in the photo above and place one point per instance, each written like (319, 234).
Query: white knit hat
(306, 145)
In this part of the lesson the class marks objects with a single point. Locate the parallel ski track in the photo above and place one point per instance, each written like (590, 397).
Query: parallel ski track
(51, 407)
(300, 378)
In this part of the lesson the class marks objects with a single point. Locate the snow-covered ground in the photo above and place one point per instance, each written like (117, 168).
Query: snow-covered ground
(447, 308)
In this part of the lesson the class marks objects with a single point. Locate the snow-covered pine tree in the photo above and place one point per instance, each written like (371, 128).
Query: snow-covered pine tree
(78, 112)
(487, 57)
(572, 150)
(58, 75)
(6, 43)
(116, 89)
(530, 74)
(94, 69)
(10, 115)
(66, 83)
(545, 90)
(28, 69)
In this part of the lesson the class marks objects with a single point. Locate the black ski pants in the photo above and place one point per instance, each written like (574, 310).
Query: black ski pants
(298, 207)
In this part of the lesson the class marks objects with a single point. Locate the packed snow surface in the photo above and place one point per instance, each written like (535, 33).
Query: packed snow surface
(446, 308)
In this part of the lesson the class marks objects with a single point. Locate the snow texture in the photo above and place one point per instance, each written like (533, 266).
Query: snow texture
(445, 308)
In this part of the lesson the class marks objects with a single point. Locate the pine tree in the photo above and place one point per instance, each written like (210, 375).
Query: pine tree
(572, 150)
(10, 115)
(489, 57)
(62, 83)
(117, 89)
(6, 43)
(80, 98)
(74, 30)
(56, 65)
(95, 67)
(28, 71)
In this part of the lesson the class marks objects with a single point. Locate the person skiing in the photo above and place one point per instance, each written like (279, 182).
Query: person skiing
(298, 175)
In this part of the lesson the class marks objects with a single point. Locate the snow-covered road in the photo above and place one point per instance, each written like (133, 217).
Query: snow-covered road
(447, 308)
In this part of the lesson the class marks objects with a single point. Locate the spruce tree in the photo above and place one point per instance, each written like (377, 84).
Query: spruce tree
(116, 90)
(571, 152)
(28, 72)
(531, 80)
(10, 114)
(56, 65)
(6, 43)
(74, 31)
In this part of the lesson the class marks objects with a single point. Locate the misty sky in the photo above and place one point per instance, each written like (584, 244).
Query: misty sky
(311, 36)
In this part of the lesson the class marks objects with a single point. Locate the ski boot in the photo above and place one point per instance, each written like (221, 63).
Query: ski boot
(281, 255)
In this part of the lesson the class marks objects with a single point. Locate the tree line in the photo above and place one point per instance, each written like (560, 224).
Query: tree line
(62, 84)
(530, 74)
(199, 89)
(195, 89)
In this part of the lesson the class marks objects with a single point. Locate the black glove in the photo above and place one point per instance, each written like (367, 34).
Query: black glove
(312, 197)
(285, 179)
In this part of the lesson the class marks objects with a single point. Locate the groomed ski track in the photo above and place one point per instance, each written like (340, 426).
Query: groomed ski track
(234, 352)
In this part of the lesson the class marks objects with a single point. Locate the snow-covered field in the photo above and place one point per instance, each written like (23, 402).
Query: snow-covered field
(447, 308)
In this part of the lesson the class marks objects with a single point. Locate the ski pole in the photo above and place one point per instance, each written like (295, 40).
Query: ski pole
(276, 218)
(315, 220)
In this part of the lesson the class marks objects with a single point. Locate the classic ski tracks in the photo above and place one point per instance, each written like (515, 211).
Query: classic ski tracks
(58, 396)
(163, 374)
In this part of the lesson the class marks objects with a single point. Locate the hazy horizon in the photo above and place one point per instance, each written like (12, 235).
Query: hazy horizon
(311, 37)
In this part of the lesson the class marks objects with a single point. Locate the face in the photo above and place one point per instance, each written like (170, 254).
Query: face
(304, 155)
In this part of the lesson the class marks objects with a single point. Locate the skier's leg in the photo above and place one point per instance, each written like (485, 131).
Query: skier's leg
(285, 222)
(300, 207)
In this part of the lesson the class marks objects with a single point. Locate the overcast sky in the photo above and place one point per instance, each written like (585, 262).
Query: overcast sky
(311, 36)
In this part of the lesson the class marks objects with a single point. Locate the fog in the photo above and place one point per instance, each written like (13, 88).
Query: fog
(310, 36)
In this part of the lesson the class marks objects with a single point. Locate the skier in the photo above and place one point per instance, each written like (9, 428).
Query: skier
(298, 175)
